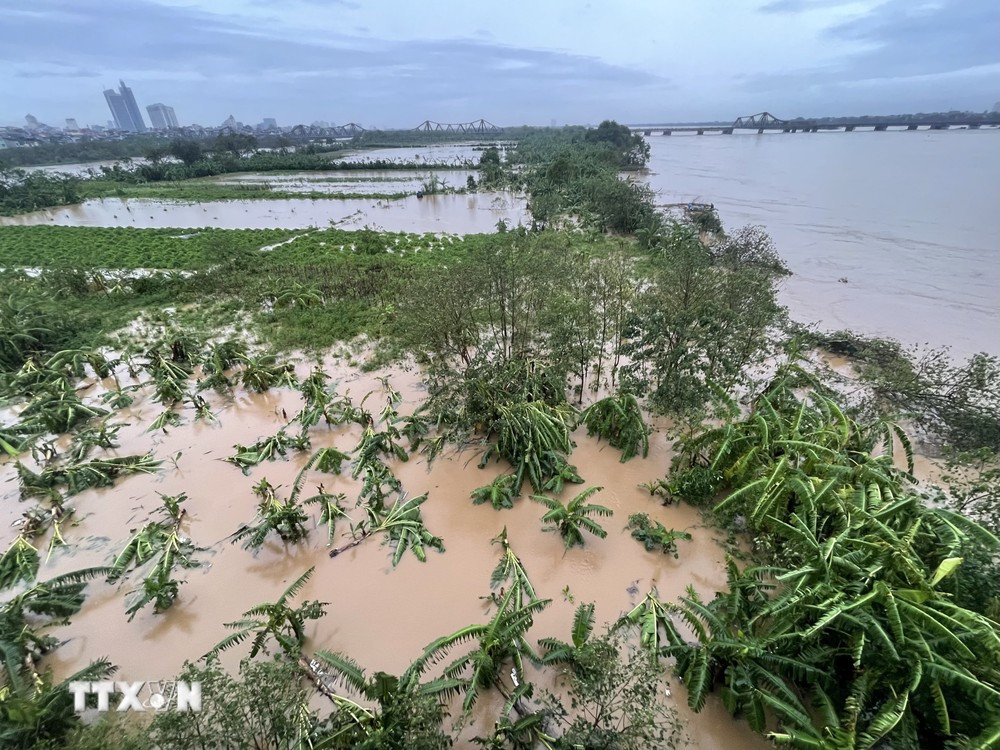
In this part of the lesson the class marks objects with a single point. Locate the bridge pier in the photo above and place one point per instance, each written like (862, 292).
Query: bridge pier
(647, 132)
(881, 128)
(849, 129)
(727, 131)
(974, 126)
(701, 131)
(911, 127)
(939, 127)
(666, 132)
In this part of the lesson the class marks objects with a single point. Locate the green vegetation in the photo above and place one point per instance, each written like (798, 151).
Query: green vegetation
(653, 535)
(573, 518)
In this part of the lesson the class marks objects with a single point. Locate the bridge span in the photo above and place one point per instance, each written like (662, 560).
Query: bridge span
(765, 121)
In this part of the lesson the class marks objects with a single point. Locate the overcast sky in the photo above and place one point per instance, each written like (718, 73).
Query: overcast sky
(395, 63)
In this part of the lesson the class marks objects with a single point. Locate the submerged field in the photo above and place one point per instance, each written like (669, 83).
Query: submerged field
(202, 416)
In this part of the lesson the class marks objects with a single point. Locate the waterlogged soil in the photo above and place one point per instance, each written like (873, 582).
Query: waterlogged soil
(454, 213)
(382, 616)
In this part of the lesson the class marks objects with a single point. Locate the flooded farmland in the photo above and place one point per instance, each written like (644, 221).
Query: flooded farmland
(447, 212)
(382, 616)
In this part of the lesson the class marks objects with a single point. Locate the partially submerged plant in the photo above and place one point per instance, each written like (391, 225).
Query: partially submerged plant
(403, 526)
(654, 535)
(499, 493)
(277, 620)
(77, 477)
(618, 419)
(267, 449)
(572, 519)
(282, 517)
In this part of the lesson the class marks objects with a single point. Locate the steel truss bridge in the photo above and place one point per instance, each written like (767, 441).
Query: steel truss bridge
(349, 130)
(476, 126)
(764, 121)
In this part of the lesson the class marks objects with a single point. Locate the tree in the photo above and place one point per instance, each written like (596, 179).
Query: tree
(572, 519)
(614, 697)
(187, 151)
(697, 325)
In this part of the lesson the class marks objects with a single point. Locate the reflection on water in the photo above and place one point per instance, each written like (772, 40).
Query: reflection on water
(452, 213)
(381, 616)
(908, 219)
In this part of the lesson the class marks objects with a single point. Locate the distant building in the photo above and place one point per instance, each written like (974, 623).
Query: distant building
(124, 109)
(269, 123)
(162, 117)
(33, 123)
(71, 124)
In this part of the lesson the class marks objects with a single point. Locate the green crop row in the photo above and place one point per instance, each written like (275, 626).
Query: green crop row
(126, 247)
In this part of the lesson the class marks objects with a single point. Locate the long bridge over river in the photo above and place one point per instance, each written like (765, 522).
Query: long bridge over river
(765, 121)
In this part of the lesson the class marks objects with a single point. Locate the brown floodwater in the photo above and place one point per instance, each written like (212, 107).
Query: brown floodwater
(452, 213)
(890, 234)
(381, 616)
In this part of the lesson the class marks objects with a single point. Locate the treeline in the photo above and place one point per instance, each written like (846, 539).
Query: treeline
(22, 191)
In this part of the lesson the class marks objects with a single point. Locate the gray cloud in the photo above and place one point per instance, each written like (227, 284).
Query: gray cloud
(241, 65)
(902, 47)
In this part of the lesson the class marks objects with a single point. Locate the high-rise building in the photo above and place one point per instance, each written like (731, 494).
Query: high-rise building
(269, 123)
(162, 117)
(71, 124)
(124, 109)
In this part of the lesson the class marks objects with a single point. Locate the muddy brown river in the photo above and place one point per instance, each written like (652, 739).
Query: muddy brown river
(381, 616)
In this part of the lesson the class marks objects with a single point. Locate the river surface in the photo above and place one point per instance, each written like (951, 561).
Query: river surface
(909, 219)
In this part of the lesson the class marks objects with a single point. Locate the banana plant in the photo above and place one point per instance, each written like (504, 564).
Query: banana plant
(498, 645)
(19, 562)
(276, 620)
(653, 535)
(572, 519)
(57, 409)
(330, 509)
(103, 435)
(264, 372)
(282, 517)
(499, 493)
(221, 358)
(158, 538)
(618, 419)
(385, 723)
(510, 572)
(25, 617)
(77, 477)
(534, 437)
(555, 651)
(402, 526)
(267, 449)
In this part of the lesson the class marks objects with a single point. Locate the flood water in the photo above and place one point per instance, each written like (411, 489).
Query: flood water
(382, 617)
(909, 219)
(447, 212)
